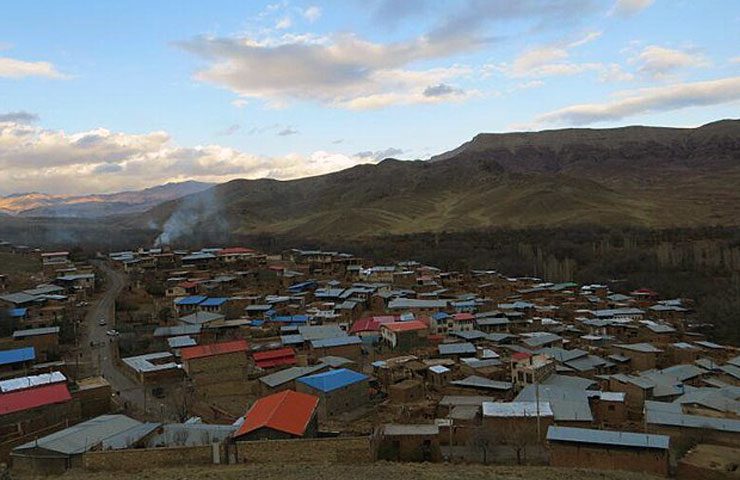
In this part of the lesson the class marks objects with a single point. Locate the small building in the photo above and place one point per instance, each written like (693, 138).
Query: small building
(286, 379)
(407, 391)
(17, 358)
(521, 419)
(44, 340)
(613, 450)
(409, 443)
(339, 391)
(284, 415)
(152, 368)
(404, 335)
(643, 356)
(60, 451)
(348, 346)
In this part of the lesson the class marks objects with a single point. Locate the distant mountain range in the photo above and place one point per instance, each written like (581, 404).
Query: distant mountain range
(632, 176)
(639, 176)
(95, 205)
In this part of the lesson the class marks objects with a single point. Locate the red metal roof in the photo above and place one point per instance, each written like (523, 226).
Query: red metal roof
(405, 326)
(274, 358)
(287, 411)
(372, 324)
(21, 400)
(462, 317)
(520, 355)
(212, 349)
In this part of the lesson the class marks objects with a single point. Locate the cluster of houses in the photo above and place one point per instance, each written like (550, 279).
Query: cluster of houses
(430, 364)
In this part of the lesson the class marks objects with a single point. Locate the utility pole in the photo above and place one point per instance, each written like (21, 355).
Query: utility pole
(537, 403)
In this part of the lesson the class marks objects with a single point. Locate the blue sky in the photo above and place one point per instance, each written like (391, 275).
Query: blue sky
(104, 96)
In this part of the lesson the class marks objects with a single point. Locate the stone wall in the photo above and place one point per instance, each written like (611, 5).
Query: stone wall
(343, 450)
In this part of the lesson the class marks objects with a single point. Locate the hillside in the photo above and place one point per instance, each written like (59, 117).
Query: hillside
(92, 206)
(637, 176)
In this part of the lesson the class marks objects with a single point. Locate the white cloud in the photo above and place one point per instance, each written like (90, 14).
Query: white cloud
(284, 23)
(53, 161)
(342, 71)
(647, 100)
(554, 60)
(658, 62)
(626, 8)
(312, 13)
(13, 68)
(735, 59)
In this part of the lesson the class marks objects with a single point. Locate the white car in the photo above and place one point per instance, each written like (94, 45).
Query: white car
(102, 322)
(112, 333)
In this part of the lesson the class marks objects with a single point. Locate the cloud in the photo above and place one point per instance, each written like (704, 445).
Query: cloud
(554, 60)
(19, 117)
(230, 130)
(287, 131)
(37, 159)
(627, 8)
(284, 23)
(735, 59)
(12, 68)
(378, 155)
(647, 100)
(657, 62)
(441, 90)
(312, 13)
(343, 71)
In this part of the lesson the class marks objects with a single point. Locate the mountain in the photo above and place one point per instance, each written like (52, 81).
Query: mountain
(95, 206)
(640, 176)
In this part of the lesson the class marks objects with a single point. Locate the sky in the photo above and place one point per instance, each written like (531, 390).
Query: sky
(108, 96)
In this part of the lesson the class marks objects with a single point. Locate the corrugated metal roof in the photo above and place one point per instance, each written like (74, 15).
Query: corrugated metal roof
(516, 409)
(17, 355)
(286, 411)
(336, 342)
(30, 398)
(669, 414)
(191, 300)
(84, 436)
(290, 374)
(212, 349)
(29, 381)
(32, 332)
(607, 437)
(333, 379)
(475, 381)
(396, 430)
(456, 348)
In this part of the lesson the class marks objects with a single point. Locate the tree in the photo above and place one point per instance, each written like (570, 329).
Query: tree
(483, 439)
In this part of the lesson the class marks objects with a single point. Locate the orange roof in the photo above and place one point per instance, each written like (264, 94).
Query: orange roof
(405, 326)
(209, 350)
(286, 411)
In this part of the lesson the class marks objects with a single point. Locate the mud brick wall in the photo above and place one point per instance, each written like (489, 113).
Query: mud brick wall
(146, 458)
(350, 450)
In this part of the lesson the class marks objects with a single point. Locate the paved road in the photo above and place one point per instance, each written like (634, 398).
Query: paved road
(128, 392)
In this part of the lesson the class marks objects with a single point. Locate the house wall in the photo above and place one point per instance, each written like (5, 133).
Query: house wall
(265, 433)
(651, 461)
(338, 401)
(410, 448)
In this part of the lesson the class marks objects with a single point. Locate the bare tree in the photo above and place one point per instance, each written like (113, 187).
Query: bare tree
(483, 439)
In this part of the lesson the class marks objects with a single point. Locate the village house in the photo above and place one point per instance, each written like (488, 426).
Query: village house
(284, 415)
(409, 443)
(404, 336)
(339, 391)
(605, 449)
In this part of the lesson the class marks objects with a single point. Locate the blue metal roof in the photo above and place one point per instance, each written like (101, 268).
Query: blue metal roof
(333, 379)
(17, 312)
(213, 302)
(17, 355)
(192, 300)
(440, 315)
